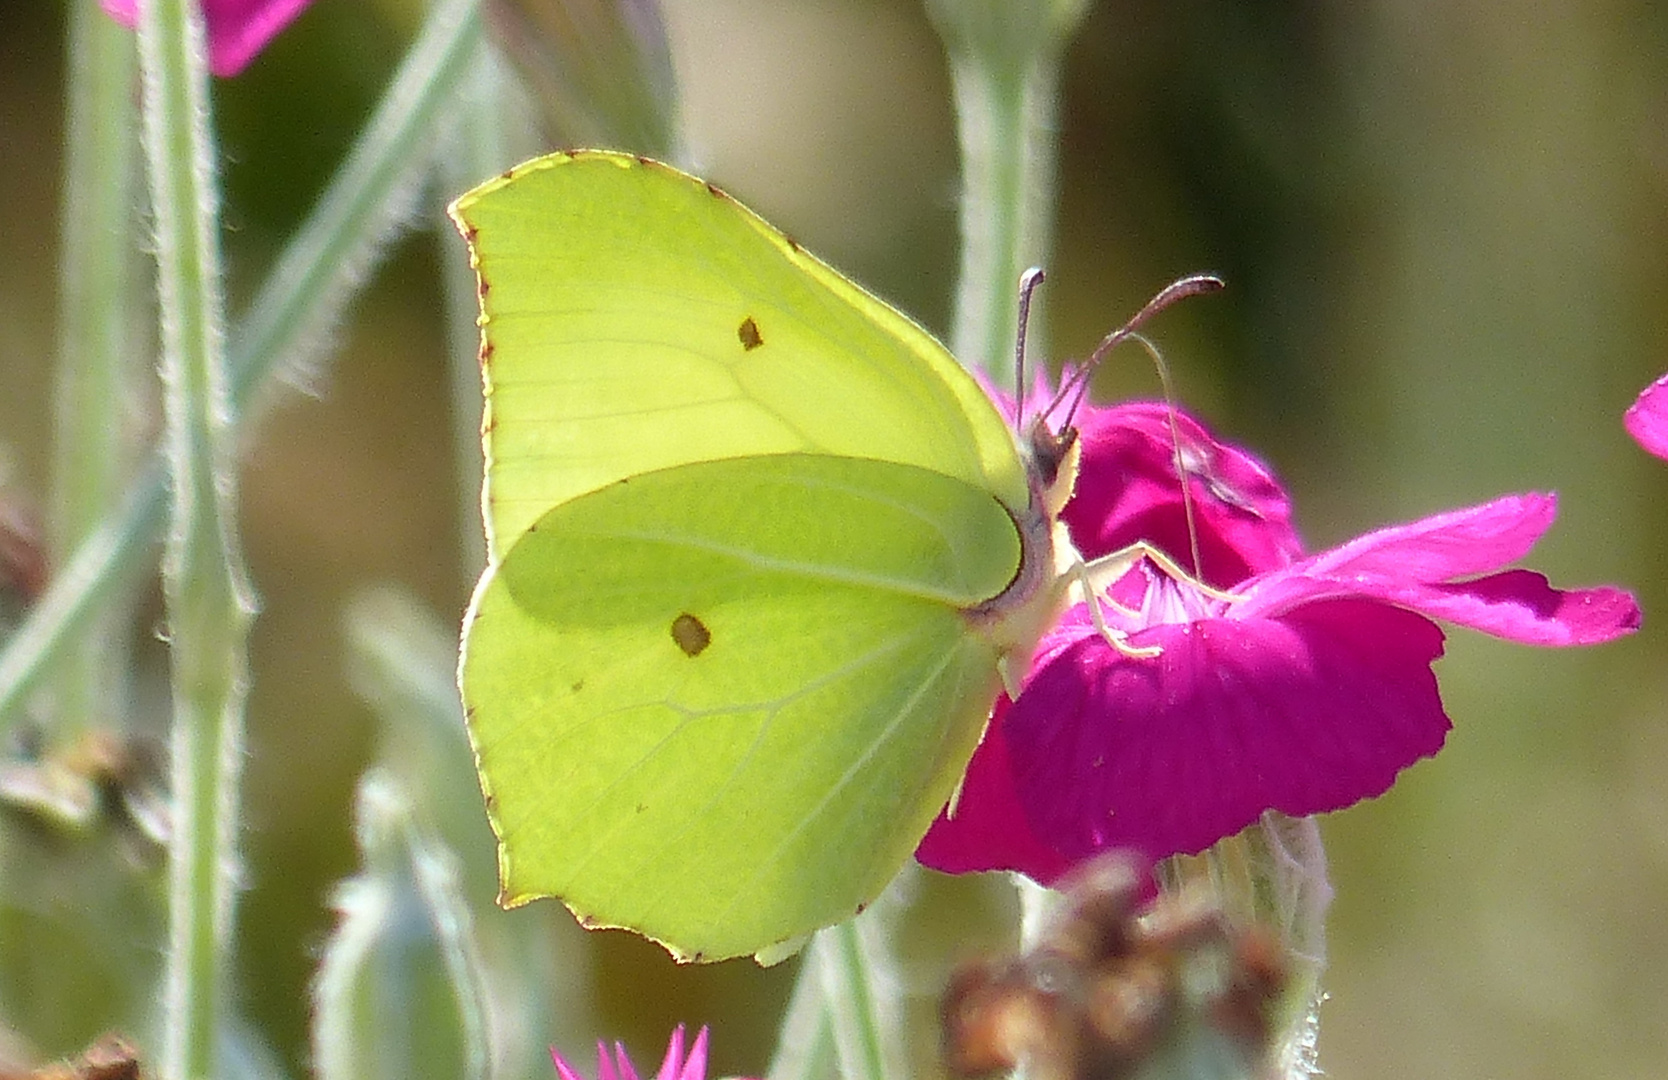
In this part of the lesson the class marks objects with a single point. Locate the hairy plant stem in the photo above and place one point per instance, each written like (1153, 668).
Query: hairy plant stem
(209, 607)
(847, 1004)
(304, 293)
(99, 311)
(1005, 72)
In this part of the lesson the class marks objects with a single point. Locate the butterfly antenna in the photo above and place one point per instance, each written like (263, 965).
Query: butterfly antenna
(1180, 289)
(1028, 283)
(1175, 444)
(1074, 384)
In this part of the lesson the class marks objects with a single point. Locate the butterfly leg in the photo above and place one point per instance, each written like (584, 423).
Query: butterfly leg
(1109, 568)
(1094, 576)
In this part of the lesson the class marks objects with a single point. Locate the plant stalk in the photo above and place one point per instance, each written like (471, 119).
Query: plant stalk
(311, 285)
(1005, 73)
(98, 324)
(209, 607)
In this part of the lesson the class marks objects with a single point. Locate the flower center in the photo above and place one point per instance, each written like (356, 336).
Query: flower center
(1151, 595)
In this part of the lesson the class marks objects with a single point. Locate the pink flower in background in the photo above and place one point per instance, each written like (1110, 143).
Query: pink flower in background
(1307, 690)
(673, 1067)
(237, 29)
(1647, 420)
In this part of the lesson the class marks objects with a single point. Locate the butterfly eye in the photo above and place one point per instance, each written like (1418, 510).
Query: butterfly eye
(1049, 450)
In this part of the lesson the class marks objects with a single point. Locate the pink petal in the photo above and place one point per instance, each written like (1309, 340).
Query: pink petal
(1308, 691)
(237, 29)
(565, 1071)
(1128, 490)
(1520, 605)
(695, 1066)
(670, 1064)
(1647, 419)
(989, 829)
(1460, 543)
(1308, 713)
(620, 1068)
(1410, 566)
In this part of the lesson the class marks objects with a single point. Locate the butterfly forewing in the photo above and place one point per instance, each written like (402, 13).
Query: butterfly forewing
(636, 319)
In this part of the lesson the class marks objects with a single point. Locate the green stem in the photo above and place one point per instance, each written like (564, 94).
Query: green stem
(1004, 68)
(847, 1004)
(1037, 904)
(804, 1039)
(373, 197)
(401, 990)
(1290, 865)
(99, 311)
(311, 285)
(208, 604)
(401, 661)
(860, 1028)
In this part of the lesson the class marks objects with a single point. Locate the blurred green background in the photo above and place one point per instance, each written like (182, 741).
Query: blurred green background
(1445, 230)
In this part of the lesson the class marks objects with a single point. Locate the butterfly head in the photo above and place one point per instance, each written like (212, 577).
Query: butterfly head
(1051, 460)
(1050, 445)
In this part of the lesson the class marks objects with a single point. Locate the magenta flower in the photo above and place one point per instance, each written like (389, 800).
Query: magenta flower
(1127, 491)
(1647, 420)
(673, 1067)
(237, 29)
(1308, 689)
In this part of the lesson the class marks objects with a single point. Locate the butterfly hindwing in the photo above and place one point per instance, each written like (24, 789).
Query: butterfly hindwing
(720, 703)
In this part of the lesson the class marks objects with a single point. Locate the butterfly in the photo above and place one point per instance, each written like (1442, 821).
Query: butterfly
(761, 556)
